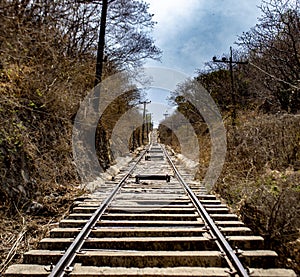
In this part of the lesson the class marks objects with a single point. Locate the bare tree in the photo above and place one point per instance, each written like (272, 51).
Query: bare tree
(274, 51)
(47, 60)
(129, 27)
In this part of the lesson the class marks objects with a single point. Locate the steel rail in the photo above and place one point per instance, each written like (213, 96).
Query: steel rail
(63, 265)
(225, 247)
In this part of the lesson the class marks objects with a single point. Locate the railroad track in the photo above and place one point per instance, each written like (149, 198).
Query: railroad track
(151, 220)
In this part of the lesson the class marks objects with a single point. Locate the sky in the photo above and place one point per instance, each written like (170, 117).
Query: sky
(191, 32)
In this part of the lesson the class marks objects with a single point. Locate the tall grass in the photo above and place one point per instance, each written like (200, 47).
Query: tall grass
(261, 180)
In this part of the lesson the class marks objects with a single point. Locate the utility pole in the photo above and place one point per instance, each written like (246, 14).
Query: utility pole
(231, 62)
(172, 131)
(148, 122)
(166, 114)
(144, 118)
(133, 139)
(101, 43)
(100, 55)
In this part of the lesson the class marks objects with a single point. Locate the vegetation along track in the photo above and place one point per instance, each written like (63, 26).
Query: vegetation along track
(151, 220)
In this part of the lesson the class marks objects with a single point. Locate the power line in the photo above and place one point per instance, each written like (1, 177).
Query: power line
(272, 76)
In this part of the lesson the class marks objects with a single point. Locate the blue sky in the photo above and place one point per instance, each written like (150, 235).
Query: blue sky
(191, 32)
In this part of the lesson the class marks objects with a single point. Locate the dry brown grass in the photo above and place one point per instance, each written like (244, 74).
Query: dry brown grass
(261, 180)
(23, 231)
(261, 177)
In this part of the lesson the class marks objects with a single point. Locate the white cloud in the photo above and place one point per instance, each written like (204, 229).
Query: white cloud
(190, 32)
(172, 16)
(169, 10)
